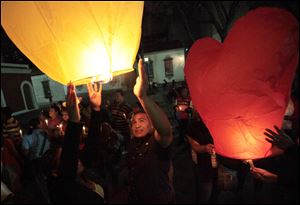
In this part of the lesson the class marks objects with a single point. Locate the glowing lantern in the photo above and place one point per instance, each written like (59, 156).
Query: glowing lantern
(76, 40)
(243, 86)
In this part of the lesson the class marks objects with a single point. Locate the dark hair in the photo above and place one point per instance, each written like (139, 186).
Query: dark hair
(33, 124)
(45, 113)
(64, 109)
(55, 107)
(60, 102)
(183, 88)
(136, 111)
(120, 91)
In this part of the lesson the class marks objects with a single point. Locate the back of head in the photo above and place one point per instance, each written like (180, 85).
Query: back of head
(33, 124)
(55, 107)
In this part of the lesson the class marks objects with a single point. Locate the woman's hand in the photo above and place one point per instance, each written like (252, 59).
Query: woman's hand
(141, 85)
(263, 175)
(279, 138)
(72, 105)
(95, 95)
(209, 148)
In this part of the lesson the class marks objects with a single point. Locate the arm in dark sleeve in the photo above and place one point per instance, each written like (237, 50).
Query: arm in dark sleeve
(70, 149)
(289, 172)
(94, 129)
(93, 141)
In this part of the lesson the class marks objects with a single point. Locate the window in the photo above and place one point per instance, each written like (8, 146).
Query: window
(46, 89)
(169, 72)
(149, 68)
(28, 96)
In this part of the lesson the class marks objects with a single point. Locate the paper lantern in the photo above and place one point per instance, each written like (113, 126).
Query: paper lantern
(243, 86)
(76, 40)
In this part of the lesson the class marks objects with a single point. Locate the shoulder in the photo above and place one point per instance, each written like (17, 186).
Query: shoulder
(27, 136)
(27, 139)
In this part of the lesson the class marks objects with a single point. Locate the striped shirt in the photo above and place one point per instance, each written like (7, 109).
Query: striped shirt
(121, 115)
(11, 128)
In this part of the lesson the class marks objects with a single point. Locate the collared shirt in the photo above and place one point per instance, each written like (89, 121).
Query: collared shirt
(34, 143)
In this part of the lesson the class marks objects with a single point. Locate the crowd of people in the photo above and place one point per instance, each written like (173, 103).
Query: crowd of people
(71, 152)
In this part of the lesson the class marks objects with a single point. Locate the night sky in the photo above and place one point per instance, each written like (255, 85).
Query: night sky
(171, 24)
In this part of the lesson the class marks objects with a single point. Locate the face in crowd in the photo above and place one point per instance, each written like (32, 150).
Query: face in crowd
(141, 125)
(118, 98)
(184, 92)
(65, 115)
(53, 112)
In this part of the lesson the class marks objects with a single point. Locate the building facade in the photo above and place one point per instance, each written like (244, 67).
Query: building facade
(17, 91)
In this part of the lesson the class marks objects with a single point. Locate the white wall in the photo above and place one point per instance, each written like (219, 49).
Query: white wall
(3, 102)
(159, 68)
(56, 88)
(115, 84)
(59, 91)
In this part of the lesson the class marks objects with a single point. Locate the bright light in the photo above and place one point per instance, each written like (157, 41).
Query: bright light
(237, 105)
(146, 59)
(76, 40)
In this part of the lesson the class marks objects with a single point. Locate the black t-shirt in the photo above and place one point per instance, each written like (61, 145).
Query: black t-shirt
(148, 167)
(199, 132)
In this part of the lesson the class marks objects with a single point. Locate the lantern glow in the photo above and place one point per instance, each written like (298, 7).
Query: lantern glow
(243, 86)
(76, 40)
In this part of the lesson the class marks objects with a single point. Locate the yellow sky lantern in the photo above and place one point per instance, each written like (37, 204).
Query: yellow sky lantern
(78, 41)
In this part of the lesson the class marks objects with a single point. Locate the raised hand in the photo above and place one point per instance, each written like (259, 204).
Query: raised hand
(72, 105)
(279, 139)
(95, 95)
(209, 148)
(141, 85)
(263, 175)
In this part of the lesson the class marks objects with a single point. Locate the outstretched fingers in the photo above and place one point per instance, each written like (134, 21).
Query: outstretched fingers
(271, 132)
(141, 70)
(280, 132)
(100, 88)
(71, 97)
(89, 88)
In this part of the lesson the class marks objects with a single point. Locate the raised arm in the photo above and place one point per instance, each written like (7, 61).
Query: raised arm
(96, 115)
(69, 156)
(197, 147)
(160, 121)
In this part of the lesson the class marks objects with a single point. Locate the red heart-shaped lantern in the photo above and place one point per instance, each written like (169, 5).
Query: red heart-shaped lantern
(243, 86)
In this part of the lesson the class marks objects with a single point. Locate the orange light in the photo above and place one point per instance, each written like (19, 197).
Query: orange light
(243, 86)
(76, 40)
